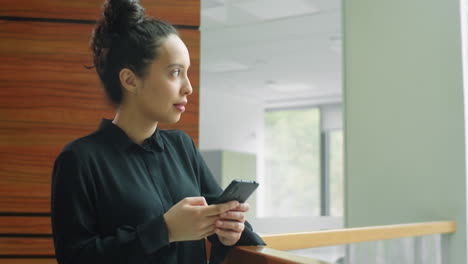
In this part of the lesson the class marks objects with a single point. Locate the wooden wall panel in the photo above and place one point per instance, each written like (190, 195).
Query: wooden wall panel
(26, 225)
(36, 246)
(28, 261)
(179, 12)
(48, 98)
(26, 235)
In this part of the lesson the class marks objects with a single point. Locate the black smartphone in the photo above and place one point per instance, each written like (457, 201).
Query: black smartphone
(237, 190)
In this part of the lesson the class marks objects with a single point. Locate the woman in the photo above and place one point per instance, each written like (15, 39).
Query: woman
(131, 192)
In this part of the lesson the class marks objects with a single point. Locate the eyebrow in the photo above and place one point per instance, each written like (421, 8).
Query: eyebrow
(177, 65)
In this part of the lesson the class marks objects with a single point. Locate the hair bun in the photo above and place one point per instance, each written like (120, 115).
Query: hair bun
(120, 15)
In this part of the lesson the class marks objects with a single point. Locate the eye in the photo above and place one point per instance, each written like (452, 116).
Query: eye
(176, 73)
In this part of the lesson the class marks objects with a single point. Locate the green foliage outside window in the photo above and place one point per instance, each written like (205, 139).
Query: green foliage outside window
(292, 163)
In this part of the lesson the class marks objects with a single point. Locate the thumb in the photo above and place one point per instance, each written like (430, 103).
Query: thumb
(200, 201)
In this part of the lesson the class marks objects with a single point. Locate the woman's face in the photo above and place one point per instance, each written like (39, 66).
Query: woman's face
(163, 92)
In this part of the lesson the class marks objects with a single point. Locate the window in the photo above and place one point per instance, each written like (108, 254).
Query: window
(298, 144)
(292, 163)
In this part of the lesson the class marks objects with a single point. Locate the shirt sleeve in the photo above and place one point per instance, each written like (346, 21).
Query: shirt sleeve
(74, 222)
(211, 190)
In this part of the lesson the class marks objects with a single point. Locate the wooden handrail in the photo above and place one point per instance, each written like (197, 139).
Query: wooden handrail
(265, 255)
(291, 241)
(273, 253)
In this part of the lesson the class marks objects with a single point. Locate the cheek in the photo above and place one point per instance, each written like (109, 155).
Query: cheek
(155, 95)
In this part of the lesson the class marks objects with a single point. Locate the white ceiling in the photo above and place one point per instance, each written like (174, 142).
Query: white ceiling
(282, 53)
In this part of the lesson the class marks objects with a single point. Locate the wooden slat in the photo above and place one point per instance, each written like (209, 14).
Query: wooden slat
(26, 246)
(180, 12)
(47, 99)
(28, 261)
(264, 255)
(25, 177)
(355, 235)
(25, 225)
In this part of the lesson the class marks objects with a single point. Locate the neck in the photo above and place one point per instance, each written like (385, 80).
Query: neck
(135, 125)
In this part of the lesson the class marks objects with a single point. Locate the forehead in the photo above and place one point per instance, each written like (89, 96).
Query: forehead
(173, 50)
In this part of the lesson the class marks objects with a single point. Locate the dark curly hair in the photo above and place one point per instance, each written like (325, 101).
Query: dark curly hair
(125, 38)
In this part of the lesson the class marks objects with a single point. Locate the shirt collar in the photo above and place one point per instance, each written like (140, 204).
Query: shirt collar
(121, 139)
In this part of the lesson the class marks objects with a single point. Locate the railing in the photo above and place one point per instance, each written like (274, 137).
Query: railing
(274, 252)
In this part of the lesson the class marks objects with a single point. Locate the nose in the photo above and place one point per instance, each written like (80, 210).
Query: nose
(187, 88)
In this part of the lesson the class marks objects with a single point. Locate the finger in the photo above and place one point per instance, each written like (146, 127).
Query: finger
(227, 234)
(233, 215)
(243, 207)
(196, 201)
(230, 225)
(217, 209)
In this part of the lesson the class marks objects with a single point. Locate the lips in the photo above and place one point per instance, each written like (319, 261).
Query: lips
(181, 106)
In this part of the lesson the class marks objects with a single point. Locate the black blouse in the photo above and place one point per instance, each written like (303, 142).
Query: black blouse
(109, 195)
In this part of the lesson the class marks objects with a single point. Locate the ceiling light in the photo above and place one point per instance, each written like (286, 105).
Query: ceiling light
(288, 87)
(225, 66)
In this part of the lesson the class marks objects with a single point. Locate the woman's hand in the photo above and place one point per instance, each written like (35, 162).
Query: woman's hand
(193, 219)
(230, 225)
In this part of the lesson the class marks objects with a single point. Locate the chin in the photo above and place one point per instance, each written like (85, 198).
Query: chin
(172, 120)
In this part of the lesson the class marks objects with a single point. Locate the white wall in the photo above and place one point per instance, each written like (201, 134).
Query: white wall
(229, 122)
(464, 34)
(404, 131)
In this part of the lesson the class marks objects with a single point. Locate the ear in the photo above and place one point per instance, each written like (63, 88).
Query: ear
(129, 80)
